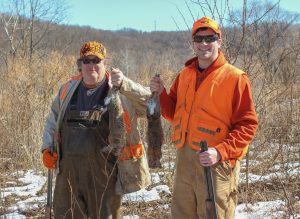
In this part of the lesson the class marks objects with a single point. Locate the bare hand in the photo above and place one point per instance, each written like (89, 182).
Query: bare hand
(156, 85)
(116, 77)
(209, 157)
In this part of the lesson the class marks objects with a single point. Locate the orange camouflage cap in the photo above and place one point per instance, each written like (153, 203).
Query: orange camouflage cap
(206, 22)
(93, 48)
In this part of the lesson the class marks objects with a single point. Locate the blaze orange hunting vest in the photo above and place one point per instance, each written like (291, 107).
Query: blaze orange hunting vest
(204, 114)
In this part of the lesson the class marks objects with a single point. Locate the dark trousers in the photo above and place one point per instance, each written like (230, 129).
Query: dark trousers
(85, 186)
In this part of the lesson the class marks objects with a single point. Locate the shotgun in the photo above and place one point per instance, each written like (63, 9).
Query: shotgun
(49, 192)
(211, 211)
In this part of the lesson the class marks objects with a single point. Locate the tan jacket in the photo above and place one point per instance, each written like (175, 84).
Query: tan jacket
(134, 98)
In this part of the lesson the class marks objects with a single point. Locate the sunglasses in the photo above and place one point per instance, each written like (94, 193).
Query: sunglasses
(93, 61)
(207, 38)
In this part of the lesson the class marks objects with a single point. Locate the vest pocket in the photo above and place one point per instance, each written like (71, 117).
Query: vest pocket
(177, 133)
(213, 134)
(176, 126)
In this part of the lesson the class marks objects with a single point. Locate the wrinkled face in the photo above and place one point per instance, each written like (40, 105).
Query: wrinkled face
(92, 70)
(206, 51)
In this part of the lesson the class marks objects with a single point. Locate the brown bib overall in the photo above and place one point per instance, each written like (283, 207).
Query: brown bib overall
(85, 187)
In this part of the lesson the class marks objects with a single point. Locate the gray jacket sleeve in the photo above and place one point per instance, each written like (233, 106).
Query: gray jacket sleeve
(50, 123)
(137, 94)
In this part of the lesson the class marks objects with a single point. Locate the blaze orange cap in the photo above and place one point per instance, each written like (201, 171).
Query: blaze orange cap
(206, 22)
(93, 48)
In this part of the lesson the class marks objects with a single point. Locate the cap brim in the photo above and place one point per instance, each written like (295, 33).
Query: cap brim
(99, 55)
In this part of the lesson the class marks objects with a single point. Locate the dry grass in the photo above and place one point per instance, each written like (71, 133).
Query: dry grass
(26, 92)
(27, 89)
(265, 45)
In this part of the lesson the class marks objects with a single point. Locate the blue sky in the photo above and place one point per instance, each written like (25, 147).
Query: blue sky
(145, 15)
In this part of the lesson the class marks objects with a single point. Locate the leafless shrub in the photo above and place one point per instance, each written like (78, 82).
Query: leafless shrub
(26, 92)
(26, 24)
(260, 38)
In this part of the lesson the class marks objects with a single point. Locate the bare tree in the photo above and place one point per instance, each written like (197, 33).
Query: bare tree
(26, 23)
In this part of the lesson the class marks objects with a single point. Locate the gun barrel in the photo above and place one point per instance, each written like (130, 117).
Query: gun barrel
(49, 191)
(49, 195)
(210, 201)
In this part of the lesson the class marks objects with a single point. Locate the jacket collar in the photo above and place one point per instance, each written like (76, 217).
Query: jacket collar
(220, 61)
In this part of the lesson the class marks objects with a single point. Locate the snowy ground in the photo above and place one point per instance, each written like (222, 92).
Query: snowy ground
(33, 182)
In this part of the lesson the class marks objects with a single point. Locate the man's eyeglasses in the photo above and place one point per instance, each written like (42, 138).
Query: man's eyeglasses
(93, 61)
(207, 38)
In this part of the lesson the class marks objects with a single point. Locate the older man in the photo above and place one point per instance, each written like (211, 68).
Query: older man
(91, 179)
(211, 101)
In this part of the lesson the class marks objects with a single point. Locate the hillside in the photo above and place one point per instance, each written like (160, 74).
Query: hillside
(36, 59)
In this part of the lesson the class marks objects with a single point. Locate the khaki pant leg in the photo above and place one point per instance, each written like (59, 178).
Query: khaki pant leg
(201, 190)
(184, 199)
(233, 198)
(226, 182)
(190, 190)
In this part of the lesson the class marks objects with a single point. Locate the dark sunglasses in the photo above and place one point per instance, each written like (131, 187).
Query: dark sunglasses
(207, 38)
(93, 61)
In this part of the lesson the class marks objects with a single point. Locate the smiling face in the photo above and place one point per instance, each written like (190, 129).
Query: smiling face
(92, 70)
(207, 52)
